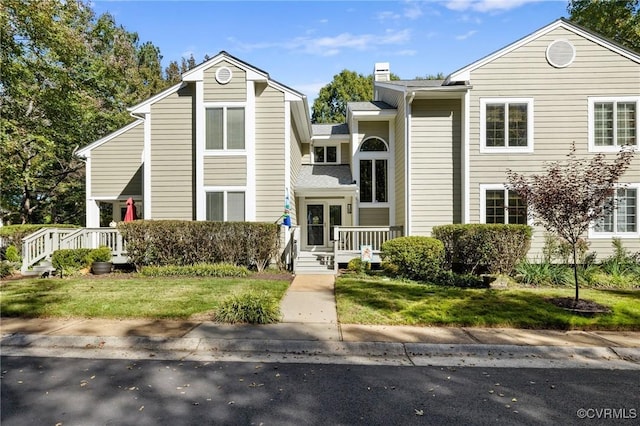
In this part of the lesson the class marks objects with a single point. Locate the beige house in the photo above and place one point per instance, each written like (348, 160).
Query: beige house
(229, 144)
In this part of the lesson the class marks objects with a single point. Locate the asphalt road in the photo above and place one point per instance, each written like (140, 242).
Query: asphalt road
(69, 391)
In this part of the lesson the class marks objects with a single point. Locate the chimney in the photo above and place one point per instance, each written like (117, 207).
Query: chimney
(381, 72)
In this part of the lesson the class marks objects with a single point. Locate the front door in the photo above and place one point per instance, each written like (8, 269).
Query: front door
(315, 225)
(322, 218)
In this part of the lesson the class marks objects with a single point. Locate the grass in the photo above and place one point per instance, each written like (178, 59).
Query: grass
(376, 301)
(125, 297)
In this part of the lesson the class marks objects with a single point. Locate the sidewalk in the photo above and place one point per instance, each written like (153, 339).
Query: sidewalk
(310, 328)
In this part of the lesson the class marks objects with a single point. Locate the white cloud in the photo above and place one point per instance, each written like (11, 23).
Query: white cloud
(486, 5)
(412, 11)
(387, 15)
(466, 35)
(330, 45)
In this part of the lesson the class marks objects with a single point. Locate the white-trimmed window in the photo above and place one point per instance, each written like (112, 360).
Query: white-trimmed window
(613, 122)
(621, 221)
(225, 128)
(225, 206)
(326, 154)
(373, 165)
(499, 205)
(506, 125)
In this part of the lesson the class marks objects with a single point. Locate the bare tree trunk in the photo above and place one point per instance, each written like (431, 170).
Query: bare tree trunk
(575, 269)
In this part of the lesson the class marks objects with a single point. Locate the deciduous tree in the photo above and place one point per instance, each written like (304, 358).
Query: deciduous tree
(67, 78)
(617, 19)
(572, 194)
(331, 104)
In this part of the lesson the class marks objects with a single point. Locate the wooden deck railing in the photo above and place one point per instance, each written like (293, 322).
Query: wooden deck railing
(348, 240)
(41, 244)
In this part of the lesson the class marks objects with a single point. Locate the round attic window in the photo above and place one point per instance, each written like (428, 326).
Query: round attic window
(561, 53)
(223, 75)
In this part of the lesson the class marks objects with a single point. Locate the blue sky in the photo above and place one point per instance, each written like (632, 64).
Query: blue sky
(303, 44)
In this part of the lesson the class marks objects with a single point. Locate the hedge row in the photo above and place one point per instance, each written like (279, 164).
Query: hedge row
(219, 270)
(179, 243)
(480, 248)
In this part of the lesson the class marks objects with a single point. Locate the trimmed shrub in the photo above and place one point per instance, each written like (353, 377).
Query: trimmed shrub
(356, 265)
(6, 269)
(249, 307)
(415, 257)
(70, 261)
(218, 270)
(478, 248)
(173, 242)
(101, 254)
(12, 254)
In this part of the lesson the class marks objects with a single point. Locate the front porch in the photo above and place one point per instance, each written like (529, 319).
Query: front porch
(348, 243)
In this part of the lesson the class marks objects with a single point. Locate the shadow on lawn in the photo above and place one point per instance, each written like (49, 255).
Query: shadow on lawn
(34, 299)
(417, 304)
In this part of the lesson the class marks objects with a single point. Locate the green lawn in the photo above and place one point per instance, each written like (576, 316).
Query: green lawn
(378, 301)
(125, 296)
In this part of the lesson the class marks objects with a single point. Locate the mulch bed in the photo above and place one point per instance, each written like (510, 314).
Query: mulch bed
(581, 306)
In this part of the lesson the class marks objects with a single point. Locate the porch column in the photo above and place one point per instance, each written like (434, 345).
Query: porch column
(93, 214)
(117, 214)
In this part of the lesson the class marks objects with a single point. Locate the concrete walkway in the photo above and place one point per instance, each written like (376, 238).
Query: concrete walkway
(310, 328)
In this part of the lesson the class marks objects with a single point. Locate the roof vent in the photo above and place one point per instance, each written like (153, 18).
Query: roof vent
(560, 53)
(223, 75)
(381, 72)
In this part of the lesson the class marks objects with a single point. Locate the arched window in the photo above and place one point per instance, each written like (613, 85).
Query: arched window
(373, 155)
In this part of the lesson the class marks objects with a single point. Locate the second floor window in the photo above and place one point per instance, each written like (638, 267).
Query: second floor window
(325, 154)
(613, 122)
(225, 128)
(373, 171)
(506, 125)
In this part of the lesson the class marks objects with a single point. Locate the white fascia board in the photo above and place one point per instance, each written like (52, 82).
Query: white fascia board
(330, 138)
(383, 115)
(145, 107)
(197, 73)
(86, 151)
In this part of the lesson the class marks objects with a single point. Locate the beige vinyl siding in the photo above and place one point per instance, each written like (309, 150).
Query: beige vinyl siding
(172, 157)
(225, 170)
(296, 162)
(368, 129)
(270, 131)
(560, 102)
(116, 166)
(345, 153)
(233, 91)
(378, 216)
(435, 164)
(306, 153)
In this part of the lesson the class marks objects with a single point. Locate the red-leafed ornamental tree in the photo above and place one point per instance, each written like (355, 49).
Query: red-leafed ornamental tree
(572, 194)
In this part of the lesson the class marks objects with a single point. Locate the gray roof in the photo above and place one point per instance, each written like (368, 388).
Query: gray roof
(324, 177)
(330, 129)
(369, 106)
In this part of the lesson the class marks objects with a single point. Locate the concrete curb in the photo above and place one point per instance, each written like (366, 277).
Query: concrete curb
(416, 354)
